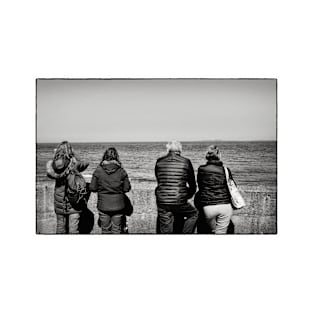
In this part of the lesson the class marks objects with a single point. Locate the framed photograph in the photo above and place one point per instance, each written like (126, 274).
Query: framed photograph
(158, 147)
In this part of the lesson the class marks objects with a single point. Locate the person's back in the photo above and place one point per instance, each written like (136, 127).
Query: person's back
(213, 198)
(111, 182)
(58, 169)
(173, 173)
(176, 184)
(212, 184)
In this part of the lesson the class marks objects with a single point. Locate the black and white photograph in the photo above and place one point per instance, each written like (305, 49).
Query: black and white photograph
(156, 156)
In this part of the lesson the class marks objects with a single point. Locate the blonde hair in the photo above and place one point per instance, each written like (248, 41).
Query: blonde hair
(213, 153)
(174, 146)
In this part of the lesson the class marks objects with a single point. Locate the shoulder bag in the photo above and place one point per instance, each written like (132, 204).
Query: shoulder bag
(237, 200)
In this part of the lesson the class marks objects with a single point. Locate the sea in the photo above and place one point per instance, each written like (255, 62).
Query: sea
(252, 163)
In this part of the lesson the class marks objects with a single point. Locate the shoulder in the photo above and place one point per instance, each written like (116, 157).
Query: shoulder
(160, 159)
(97, 171)
(202, 167)
(183, 158)
(122, 171)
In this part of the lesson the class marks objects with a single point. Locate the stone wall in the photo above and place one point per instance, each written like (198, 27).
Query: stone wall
(259, 217)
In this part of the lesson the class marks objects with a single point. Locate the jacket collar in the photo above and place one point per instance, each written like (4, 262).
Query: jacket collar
(215, 162)
(51, 172)
(173, 153)
(110, 166)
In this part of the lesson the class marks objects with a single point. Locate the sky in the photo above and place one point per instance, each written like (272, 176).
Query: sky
(156, 110)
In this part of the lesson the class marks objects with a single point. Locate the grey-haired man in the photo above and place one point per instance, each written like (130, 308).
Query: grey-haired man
(176, 184)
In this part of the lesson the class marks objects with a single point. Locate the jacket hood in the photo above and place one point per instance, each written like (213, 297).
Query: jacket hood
(52, 173)
(110, 167)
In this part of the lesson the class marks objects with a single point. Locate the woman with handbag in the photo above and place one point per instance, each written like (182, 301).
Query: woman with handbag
(111, 182)
(213, 199)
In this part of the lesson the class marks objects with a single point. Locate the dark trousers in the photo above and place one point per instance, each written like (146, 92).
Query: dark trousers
(167, 213)
(178, 224)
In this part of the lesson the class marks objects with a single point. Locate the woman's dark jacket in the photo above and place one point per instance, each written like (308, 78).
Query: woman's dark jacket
(212, 184)
(176, 180)
(111, 181)
(61, 204)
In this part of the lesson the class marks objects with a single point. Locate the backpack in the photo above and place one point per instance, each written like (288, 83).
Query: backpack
(76, 188)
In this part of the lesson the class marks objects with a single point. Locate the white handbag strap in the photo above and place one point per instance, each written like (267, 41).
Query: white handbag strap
(226, 173)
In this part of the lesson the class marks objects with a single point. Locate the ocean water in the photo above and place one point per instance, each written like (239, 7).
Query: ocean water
(252, 163)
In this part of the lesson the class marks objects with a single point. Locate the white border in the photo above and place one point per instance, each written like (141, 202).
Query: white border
(223, 39)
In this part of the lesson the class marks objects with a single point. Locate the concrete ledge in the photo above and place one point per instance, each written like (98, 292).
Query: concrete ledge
(259, 217)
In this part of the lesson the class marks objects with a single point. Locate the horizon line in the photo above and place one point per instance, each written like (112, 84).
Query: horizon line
(157, 141)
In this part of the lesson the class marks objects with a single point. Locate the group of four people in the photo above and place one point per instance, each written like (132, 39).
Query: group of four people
(176, 185)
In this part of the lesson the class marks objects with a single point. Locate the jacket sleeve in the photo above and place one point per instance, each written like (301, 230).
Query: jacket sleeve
(198, 178)
(156, 170)
(191, 181)
(81, 166)
(94, 183)
(126, 182)
(50, 172)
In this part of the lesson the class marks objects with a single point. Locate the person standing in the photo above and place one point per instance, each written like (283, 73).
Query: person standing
(64, 161)
(213, 198)
(111, 182)
(176, 184)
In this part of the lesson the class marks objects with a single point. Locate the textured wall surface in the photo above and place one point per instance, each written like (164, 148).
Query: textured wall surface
(258, 217)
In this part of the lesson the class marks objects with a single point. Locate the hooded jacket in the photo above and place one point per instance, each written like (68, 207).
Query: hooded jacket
(61, 204)
(212, 184)
(176, 180)
(111, 181)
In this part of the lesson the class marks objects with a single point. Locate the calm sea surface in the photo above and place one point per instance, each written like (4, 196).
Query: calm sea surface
(252, 163)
